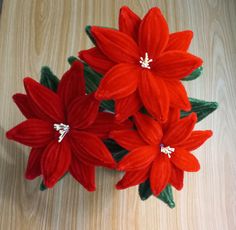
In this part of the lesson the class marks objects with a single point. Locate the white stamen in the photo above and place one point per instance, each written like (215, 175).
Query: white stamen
(62, 129)
(167, 150)
(145, 61)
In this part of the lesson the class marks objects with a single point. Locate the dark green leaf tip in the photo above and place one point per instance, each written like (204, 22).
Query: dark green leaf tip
(88, 32)
(42, 187)
(71, 59)
(48, 79)
(194, 75)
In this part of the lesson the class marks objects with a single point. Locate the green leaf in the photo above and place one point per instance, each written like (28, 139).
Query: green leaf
(194, 75)
(201, 108)
(167, 196)
(144, 190)
(71, 59)
(48, 79)
(88, 32)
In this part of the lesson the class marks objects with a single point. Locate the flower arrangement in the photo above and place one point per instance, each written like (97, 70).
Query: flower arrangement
(121, 105)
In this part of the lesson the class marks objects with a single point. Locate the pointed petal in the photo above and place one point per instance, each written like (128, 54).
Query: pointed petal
(179, 131)
(83, 111)
(138, 158)
(44, 102)
(55, 162)
(179, 40)
(160, 174)
(184, 160)
(177, 177)
(117, 46)
(176, 64)
(149, 129)
(129, 22)
(84, 174)
(72, 83)
(153, 33)
(32, 132)
(119, 82)
(154, 95)
(173, 117)
(96, 59)
(128, 139)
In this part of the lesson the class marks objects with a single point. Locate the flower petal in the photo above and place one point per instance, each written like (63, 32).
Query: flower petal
(84, 174)
(173, 117)
(179, 40)
(177, 177)
(72, 83)
(96, 59)
(55, 162)
(117, 46)
(32, 132)
(119, 82)
(176, 64)
(153, 33)
(45, 103)
(154, 95)
(149, 129)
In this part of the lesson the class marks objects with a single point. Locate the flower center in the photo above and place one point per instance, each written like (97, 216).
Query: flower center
(145, 61)
(62, 129)
(167, 150)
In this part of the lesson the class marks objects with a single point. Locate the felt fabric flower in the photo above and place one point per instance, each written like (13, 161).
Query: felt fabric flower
(160, 154)
(64, 130)
(143, 64)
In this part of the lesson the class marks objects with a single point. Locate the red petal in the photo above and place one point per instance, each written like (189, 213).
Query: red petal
(176, 64)
(33, 169)
(117, 46)
(133, 178)
(128, 139)
(72, 83)
(160, 174)
(153, 33)
(179, 131)
(129, 22)
(84, 174)
(154, 95)
(149, 129)
(55, 162)
(173, 117)
(119, 82)
(83, 111)
(179, 40)
(32, 132)
(23, 104)
(177, 177)
(45, 103)
(138, 158)
(184, 160)
(96, 59)
(128, 106)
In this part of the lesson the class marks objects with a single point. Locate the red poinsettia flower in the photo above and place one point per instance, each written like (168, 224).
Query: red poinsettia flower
(63, 129)
(162, 155)
(142, 64)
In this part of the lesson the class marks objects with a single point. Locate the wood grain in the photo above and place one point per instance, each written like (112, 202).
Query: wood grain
(45, 32)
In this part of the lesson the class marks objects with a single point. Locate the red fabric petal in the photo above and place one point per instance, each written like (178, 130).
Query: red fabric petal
(153, 33)
(184, 160)
(129, 22)
(154, 95)
(72, 84)
(176, 64)
(55, 162)
(119, 82)
(149, 129)
(84, 174)
(117, 46)
(45, 103)
(179, 40)
(160, 174)
(173, 117)
(138, 158)
(32, 132)
(128, 139)
(177, 177)
(96, 59)
(83, 111)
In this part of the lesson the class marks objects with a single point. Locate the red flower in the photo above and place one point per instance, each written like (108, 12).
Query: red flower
(63, 129)
(142, 64)
(162, 155)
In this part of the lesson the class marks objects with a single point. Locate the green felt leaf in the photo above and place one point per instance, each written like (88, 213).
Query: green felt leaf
(201, 108)
(167, 196)
(71, 59)
(194, 75)
(88, 32)
(48, 79)
(144, 190)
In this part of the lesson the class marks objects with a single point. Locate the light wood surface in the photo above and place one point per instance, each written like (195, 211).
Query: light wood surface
(45, 32)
